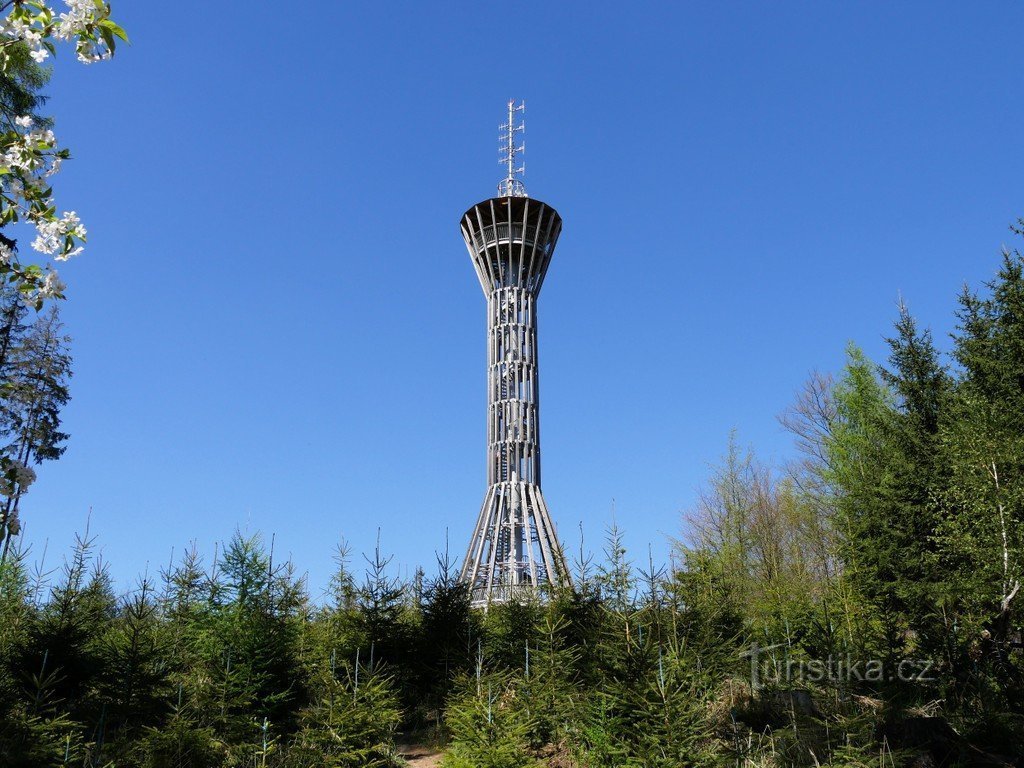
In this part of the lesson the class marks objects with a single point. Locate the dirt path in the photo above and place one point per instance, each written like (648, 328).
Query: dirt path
(420, 756)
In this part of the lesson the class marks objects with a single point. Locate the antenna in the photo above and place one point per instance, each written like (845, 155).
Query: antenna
(512, 185)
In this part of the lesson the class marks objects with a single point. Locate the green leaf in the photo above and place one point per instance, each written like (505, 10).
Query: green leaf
(108, 37)
(115, 28)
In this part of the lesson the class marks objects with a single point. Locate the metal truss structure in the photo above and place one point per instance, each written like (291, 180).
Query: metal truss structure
(514, 552)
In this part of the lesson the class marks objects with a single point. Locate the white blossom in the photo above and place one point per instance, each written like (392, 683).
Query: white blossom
(76, 22)
(52, 285)
(89, 53)
(81, 13)
(13, 28)
(50, 234)
(29, 155)
(16, 478)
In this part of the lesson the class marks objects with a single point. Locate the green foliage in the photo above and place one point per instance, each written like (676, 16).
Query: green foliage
(350, 723)
(666, 722)
(508, 630)
(755, 542)
(550, 688)
(489, 726)
(596, 737)
(896, 536)
(133, 649)
(447, 629)
(35, 365)
(181, 742)
(21, 81)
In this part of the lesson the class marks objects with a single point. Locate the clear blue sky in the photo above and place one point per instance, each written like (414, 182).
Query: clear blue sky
(276, 323)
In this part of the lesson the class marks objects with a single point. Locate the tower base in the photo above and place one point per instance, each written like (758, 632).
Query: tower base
(514, 553)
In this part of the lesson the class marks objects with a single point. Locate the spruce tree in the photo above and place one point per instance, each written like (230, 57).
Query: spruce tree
(982, 535)
(34, 391)
(447, 630)
(350, 721)
(907, 576)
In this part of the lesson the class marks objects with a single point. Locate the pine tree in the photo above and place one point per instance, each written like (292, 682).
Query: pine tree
(249, 640)
(12, 327)
(350, 722)
(550, 690)
(382, 616)
(35, 389)
(445, 639)
(134, 654)
(33, 729)
(508, 628)
(982, 534)
(489, 726)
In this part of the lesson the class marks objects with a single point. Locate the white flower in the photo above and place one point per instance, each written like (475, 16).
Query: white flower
(80, 15)
(52, 286)
(6, 255)
(89, 52)
(39, 55)
(51, 234)
(25, 475)
(14, 27)
(48, 236)
(25, 121)
(69, 254)
(16, 478)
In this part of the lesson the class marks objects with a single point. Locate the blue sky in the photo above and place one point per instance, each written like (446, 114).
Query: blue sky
(277, 326)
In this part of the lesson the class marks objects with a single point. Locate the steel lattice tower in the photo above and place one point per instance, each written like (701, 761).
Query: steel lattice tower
(514, 551)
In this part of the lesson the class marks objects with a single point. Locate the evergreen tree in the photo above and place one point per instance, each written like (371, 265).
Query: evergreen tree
(982, 534)
(34, 391)
(446, 635)
(489, 726)
(907, 577)
(33, 729)
(249, 640)
(383, 618)
(134, 654)
(508, 629)
(12, 328)
(21, 83)
(350, 722)
(550, 689)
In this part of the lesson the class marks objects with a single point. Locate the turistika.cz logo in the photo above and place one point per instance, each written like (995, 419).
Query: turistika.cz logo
(769, 666)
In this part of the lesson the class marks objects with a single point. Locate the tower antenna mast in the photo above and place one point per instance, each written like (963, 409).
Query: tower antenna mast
(512, 185)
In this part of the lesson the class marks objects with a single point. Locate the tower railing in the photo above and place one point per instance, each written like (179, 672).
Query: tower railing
(501, 233)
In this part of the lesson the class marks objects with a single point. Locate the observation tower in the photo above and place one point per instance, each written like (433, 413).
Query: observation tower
(514, 551)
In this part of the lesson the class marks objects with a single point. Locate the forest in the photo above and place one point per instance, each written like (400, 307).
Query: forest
(855, 607)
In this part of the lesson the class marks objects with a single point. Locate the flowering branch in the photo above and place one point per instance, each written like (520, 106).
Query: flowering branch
(29, 155)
